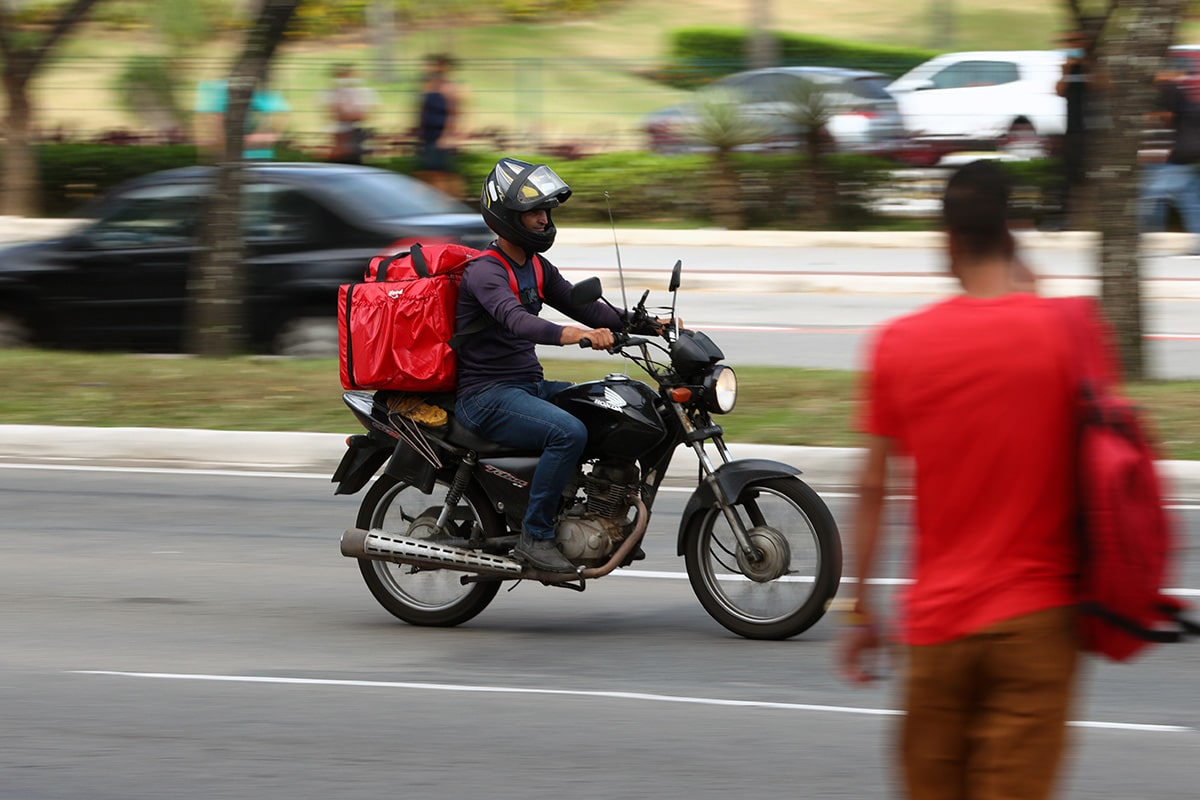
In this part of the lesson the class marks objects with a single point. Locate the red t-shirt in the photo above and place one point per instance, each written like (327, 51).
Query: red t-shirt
(978, 393)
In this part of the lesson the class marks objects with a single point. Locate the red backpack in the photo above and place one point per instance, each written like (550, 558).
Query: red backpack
(396, 329)
(1126, 537)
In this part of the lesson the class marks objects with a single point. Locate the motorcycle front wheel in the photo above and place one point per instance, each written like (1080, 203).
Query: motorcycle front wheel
(786, 591)
(418, 595)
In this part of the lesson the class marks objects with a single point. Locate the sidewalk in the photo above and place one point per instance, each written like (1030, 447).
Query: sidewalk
(827, 468)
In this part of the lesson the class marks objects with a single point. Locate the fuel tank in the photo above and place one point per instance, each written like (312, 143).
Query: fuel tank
(622, 415)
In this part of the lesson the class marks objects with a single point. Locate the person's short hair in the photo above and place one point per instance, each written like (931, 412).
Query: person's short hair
(975, 208)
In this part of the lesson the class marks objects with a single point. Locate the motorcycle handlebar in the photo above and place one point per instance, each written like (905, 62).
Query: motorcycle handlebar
(620, 340)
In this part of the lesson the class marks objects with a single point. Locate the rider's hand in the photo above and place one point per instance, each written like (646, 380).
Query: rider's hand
(601, 338)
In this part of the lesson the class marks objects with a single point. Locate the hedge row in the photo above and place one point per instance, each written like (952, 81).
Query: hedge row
(770, 191)
(700, 54)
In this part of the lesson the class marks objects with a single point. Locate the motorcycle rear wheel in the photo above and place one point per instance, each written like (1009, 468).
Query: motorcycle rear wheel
(419, 596)
(788, 519)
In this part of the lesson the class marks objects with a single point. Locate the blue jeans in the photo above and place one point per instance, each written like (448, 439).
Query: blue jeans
(520, 415)
(1178, 184)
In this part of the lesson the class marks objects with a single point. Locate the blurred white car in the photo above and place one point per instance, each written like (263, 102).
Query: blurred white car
(865, 118)
(1004, 99)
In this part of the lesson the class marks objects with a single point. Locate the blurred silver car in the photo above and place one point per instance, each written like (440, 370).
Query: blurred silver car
(864, 116)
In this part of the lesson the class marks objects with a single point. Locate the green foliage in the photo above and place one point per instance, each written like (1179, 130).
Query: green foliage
(641, 188)
(149, 87)
(314, 20)
(721, 125)
(701, 54)
(73, 173)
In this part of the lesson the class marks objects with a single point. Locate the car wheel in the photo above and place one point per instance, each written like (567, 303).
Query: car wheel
(14, 332)
(308, 337)
(1022, 141)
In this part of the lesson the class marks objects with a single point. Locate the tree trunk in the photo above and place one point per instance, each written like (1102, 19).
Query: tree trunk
(1136, 38)
(19, 182)
(216, 290)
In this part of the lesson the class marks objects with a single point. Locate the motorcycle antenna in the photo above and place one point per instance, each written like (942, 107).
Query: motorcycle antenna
(617, 247)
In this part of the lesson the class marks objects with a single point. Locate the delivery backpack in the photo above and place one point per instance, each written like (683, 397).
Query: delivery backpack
(396, 328)
(1126, 540)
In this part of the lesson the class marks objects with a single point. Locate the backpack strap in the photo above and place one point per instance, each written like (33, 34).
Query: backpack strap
(484, 321)
(538, 272)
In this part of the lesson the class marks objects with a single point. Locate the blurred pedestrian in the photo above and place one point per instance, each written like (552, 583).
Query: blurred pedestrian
(263, 122)
(438, 127)
(975, 392)
(349, 102)
(1074, 87)
(1175, 180)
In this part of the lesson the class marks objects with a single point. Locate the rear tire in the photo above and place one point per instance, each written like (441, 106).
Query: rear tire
(14, 333)
(308, 337)
(419, 596)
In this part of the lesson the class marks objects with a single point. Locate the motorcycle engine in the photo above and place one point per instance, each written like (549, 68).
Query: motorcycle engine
(591, 532)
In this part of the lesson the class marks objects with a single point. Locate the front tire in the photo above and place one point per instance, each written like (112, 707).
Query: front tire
(420, 596)
(786, 592)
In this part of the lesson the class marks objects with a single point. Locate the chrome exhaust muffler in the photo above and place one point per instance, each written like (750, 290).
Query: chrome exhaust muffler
(381, 546)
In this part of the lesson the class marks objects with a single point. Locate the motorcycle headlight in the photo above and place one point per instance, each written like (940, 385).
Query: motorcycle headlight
(720, 390)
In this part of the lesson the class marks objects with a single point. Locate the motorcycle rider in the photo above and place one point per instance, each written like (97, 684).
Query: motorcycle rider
(502, 393)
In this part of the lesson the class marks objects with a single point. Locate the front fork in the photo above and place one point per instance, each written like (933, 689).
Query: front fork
(695, 438)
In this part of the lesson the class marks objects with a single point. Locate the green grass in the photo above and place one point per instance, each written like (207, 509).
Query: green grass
(775, 405)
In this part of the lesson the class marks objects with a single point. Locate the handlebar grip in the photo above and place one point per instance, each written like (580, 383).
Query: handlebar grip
(585, 343)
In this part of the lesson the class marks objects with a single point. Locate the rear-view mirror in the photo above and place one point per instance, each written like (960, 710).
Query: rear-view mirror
(586, 291)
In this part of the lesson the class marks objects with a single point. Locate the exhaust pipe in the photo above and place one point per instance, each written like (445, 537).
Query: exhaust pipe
(377, 545)
(380, 546)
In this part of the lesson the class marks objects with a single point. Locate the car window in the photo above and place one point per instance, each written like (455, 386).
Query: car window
(965, 74)
(278, 213)
(386, 195)
(149, 216)
(869, 88)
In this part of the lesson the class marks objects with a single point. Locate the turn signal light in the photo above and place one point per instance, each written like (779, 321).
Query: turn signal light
(681, 394)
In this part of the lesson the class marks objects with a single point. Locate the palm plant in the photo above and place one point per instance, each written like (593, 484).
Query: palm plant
(810, 107)
(721, 126)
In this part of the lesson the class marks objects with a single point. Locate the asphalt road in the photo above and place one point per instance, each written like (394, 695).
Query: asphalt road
(174, 634)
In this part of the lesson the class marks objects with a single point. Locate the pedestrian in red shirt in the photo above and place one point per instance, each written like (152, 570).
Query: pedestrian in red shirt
(976, 392)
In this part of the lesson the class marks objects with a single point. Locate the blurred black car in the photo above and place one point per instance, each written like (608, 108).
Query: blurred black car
(120, 280)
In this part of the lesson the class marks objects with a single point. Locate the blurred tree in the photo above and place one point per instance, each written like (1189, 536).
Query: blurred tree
(1131, 36)
(721, 125)
(810, 110)
(941, 14)
(151, 85)
(762, 44)
(216, 324)
(24, 53)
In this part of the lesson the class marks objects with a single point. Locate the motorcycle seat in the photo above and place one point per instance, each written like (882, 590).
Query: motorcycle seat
(458, 435)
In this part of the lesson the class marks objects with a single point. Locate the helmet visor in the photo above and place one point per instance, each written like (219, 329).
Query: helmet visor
(541, 188)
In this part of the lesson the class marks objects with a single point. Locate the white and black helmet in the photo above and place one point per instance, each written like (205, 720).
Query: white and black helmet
(514, 187)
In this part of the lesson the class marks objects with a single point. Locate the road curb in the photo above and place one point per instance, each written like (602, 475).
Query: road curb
(186, 448)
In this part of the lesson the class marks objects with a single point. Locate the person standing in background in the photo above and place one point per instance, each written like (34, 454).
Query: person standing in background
(262, 120)
(349, 102)
(437, 127)
(1176, 180)
(1073, 87)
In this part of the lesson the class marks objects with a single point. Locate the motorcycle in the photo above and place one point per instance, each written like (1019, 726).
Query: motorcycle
(434, 533)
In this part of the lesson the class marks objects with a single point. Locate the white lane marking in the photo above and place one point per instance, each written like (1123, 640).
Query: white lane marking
(657, 698)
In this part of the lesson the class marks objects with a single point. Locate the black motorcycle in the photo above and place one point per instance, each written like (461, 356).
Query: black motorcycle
(435, 531)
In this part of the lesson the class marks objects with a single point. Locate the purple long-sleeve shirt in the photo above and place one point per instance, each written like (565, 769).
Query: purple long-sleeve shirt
(506, 352)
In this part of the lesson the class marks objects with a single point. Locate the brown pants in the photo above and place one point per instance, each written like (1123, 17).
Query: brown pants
(986, 714)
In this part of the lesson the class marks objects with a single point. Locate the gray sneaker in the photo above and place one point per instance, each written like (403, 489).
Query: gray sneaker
(541, 554)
